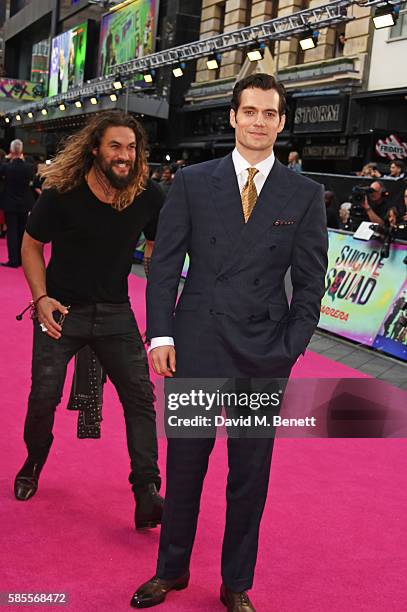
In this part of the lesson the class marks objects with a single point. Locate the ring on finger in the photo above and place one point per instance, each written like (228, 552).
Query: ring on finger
(44, 328)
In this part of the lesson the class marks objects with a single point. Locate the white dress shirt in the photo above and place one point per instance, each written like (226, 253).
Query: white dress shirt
(241, 166)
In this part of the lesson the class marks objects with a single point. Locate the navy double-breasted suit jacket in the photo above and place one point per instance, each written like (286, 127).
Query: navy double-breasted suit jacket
(233, 318)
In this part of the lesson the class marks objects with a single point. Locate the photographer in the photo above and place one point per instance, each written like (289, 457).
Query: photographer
(397, 222)
(375, 203)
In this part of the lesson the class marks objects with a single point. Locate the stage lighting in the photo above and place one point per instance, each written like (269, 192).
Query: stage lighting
(62, 107)
(18, 117)
(78, 103)
(255, 52)
(7, 119)
(44, 112)
(213, 62)
(309, 41)
(149, 76)
(178, 71)
(30, 114)
(113, 97)
(385, 16)
(117, 83)
(94, 100)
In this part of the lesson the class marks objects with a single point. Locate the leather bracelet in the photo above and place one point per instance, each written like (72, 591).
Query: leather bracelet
(35, 302)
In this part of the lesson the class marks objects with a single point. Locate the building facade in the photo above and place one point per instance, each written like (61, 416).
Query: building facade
(31, 27)
(321, 83)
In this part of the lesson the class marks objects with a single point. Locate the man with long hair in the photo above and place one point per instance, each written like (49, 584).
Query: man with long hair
(96, 201)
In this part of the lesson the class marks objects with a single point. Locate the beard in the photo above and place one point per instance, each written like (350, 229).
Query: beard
(117, 182)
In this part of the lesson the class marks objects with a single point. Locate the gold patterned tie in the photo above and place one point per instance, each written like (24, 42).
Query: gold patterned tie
(249, 194)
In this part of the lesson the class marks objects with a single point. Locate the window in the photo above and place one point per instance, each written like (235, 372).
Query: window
(400, 29)
(248, 11)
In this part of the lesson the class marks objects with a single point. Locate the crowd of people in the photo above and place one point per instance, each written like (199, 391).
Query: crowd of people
(376, 203)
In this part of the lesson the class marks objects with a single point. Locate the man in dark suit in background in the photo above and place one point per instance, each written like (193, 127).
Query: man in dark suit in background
(17, 200)
(244, 220)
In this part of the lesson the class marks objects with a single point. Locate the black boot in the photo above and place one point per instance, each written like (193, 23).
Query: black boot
(149, 507)
(26, 482)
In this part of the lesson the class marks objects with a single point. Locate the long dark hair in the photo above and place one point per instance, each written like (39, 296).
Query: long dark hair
(73, 162)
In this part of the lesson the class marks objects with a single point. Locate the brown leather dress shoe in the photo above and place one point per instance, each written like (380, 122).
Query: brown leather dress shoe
(154, 591)
(235, 602)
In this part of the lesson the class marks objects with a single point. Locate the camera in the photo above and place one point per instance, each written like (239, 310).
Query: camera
(387, 233)
(357, 213)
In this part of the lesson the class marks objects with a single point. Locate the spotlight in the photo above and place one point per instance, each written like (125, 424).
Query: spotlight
(255, 52)
(117, 83)
(78, 103)
(167, 157)
(62, 107)
(44, 111)
(18, 117)
(94, 100)
(178, 71)
(386, 16)
(30, 114)
(113, 97)
(149, 76)
(213, 62)
(7, 119)
(309, 40)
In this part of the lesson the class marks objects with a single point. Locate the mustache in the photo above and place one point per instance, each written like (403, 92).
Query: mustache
(122, 161)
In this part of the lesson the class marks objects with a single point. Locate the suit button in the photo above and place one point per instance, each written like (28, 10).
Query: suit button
(222, 278)
(256, 281)
(213, 240)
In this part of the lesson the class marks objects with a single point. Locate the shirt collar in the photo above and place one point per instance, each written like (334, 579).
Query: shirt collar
(241, 164)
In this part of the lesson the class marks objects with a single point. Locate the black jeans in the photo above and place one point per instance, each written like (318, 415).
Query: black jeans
(16, 222)
(111, 331)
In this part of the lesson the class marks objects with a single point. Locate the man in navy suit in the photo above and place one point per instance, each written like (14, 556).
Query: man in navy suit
(244, 220)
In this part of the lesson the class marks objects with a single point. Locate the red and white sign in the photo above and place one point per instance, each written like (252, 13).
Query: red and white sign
(391, 147)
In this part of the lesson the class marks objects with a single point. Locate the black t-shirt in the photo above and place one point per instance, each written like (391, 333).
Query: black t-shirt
(381, 209)
(92, 243)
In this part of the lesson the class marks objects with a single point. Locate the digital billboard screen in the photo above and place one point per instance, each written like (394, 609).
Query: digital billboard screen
(127, 33)
(68, 58)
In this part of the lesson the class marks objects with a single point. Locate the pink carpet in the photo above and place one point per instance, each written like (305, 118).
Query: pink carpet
(333, 536)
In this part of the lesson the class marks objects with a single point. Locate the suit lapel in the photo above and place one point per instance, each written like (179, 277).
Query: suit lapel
(273, 198)
(226, 197)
